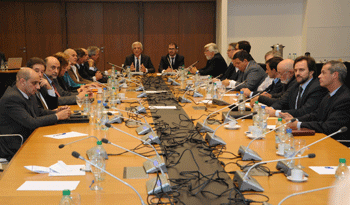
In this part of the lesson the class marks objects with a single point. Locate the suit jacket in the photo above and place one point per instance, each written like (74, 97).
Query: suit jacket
(254, 75)
(66, 97)
(2, 57)
(85, 72)
(331, 114)
(273, 88)
(215, 66)
(145, 60)
(230, 73)
(74, 78)
(310, 99)
(19, 115)
(164, 63)
(52, 102)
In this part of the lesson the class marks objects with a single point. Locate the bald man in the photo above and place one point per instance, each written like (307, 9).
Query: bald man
(74, 72)
(19, 111)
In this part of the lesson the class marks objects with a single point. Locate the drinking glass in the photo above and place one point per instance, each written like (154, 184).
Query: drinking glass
(299, 144)
(75, 198)
(98, 174)
(79, 102)
(92, 114)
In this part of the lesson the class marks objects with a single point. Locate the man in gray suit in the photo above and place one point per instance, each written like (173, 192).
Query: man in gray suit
(51, 73)
(19, 111)
(253, 74)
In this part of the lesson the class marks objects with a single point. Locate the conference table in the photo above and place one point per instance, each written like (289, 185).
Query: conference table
(44, 151)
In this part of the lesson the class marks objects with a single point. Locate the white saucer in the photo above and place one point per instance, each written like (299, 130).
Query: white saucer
(247, 133)
(252, 137)
(293, 180)
(279, 154)
(232, 128)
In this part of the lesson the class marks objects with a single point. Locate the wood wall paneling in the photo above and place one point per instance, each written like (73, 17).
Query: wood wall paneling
(161, 27)
(85, 27)
(196, 28)
(43, 29)
(12, 30)
(121, 29)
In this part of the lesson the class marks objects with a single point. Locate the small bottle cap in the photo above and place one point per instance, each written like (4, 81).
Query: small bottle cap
(256, 102)
(86, 95)
(66, 192)
(104, 88)
(109, 76)
(98, 101)
(113, 88)
(99, 142)
(104, 104)
(342, 160)
(280, 119)
(241, 92)
(289, 130)
(214, 83)
(263, 106)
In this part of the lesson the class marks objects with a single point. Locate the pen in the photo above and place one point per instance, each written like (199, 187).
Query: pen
(58, 134)
(92, 183)
(329, 167)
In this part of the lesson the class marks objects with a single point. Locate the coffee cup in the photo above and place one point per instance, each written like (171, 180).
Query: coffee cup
(297, 174)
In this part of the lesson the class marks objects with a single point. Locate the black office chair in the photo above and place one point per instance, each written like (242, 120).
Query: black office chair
(5, 153)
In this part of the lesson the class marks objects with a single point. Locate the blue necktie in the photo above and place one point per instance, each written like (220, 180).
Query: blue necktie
(137, 65)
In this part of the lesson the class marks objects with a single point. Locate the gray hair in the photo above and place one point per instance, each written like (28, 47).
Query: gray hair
(212, 47)
(337, 66)
(135, 43)
(92, 50)
(274, 53)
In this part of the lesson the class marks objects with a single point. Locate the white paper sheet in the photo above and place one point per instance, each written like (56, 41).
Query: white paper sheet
(206, 101)
(325, 169)
(75, 171)
(66, 135)
(48, 185)
(230, 94)
(163, 107)
(155, 91)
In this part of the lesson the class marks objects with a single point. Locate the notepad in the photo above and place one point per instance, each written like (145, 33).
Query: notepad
(48, 185)
(66, 135)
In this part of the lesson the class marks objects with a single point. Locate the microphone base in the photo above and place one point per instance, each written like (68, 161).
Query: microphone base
(220, 102)
(142, 130)
(169, 73)
(140, 109)
(150, 167)
(287, 168)
(136, 73)
(155, 186)
(140, 88)
(152, 138)
(197, 95)
(265, 203)
(184, 100)
(214, 140)
(119, 119)
(248, 184)
(202, 128)
(248, 154)
(142, 95)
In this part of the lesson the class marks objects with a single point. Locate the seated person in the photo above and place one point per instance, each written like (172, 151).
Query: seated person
(231, 72)
(216, 64)
(19, 111)
(172, 60)
(334, 110)
(86, 64)
(137, 61)
(73, 72)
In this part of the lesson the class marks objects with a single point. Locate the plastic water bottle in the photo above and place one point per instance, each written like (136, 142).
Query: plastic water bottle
(342, 169)
(279, 131)
(86, 104)
(105, 95)
(256, 108)
(289, 144)
(241, 105)
(113, 72)
(98, 114)
(215, 93)
(98, 155)
(263, 119)
(114, 97)
(290, 56)
(104, 118)
(66, 199)
(209, 89)
(294, 56)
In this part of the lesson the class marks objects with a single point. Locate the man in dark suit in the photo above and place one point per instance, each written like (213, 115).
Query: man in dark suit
(231, 72)
(19, 111)
(51, 73)
(139, 62)
(303, 97)
(252, 73)
(2, 57)
(271, 70)
(286, 74)
(172, 60)
(46, 96)
(334, 110)
(216, 64)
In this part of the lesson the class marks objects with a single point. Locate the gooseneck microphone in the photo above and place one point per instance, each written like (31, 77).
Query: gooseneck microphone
(78, 156)
(248, 154)
(213, 139)
(305, 192)
(63, 145)
(115, 65)
(247, 183)
(287, 167)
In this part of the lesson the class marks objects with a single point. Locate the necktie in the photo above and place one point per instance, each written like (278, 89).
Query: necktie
(298, 105)
(43, 103)
(31, 108)
(54, 87)
(172, 62)
(137, 65)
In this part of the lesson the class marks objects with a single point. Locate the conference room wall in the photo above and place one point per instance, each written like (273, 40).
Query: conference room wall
(319, 27)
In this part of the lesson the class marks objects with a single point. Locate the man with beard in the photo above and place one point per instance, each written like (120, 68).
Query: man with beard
(305, 96)
(172, 61)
